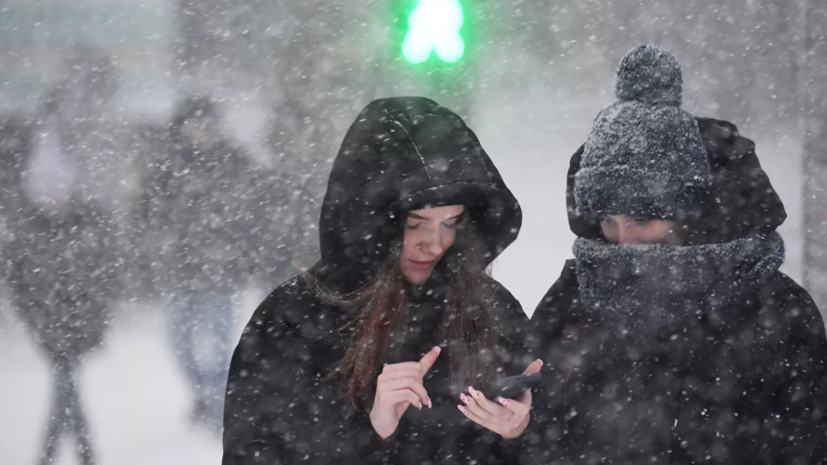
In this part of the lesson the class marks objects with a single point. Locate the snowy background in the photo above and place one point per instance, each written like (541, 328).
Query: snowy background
(539, 75)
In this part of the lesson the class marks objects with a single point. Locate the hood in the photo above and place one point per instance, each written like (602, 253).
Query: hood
(403, 154)
(740, 202)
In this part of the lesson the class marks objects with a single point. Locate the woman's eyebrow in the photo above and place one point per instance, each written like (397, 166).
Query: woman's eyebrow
(418, 217)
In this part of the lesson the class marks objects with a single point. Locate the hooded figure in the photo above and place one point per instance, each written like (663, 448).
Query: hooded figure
(673, 337)
(414, 213)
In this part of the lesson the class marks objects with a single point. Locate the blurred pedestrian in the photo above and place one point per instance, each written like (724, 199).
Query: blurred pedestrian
(63, 258)
(203, 210)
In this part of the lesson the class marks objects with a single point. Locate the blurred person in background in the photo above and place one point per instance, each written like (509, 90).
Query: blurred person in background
(64, 259)
(203, 215)
(673, 335)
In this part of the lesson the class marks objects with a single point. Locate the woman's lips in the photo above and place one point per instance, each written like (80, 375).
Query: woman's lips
(423, 265)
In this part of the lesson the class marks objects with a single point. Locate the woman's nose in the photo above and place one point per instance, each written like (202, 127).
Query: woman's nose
(431, 243)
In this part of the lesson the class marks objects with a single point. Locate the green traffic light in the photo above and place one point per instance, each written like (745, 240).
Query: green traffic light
(433, 26)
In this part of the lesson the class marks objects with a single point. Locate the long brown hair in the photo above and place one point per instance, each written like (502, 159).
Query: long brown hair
(468, 324)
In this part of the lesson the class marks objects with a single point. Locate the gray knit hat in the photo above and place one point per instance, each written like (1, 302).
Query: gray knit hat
(644, 156)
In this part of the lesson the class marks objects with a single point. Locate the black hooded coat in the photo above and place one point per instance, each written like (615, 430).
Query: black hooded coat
(743, 384)
(282, 407)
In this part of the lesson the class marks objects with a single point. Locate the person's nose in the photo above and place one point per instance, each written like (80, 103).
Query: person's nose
(627, 235)
(430, 243)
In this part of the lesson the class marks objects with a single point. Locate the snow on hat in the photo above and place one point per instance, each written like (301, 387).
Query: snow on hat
(644, 156)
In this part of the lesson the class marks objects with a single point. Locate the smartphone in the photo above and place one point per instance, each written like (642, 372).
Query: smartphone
(514, 386)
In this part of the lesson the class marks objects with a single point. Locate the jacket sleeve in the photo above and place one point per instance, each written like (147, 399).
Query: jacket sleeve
(540, 443)
(514, 358)
(281, 408)
(787, 406)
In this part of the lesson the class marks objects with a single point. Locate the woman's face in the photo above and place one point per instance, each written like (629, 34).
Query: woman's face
(429, 234)
(625, 230)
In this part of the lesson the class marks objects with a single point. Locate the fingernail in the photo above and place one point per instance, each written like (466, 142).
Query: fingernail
(465, 399)
(505, 402)
(430, 404)
(541, 362)
(474, 393)
(462, 409)
(437, 349)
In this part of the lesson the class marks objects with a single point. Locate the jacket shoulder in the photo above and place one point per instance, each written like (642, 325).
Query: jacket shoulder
(557, 308)
(785, 304)
(790, 291)
(504, 299)
(562, 296)
(293, 310)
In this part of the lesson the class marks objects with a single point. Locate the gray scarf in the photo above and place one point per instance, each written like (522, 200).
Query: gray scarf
(649, 286)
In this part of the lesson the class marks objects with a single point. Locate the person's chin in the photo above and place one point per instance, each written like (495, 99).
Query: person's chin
(418, 278)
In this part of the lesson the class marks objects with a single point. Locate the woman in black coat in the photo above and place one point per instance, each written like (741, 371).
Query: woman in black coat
(378, 353)
(673, 337)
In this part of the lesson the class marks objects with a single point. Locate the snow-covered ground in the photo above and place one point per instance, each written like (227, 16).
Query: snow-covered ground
(135, 399)
(135, 396)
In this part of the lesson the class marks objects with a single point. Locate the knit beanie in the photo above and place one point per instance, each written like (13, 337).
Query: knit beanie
(644, 157)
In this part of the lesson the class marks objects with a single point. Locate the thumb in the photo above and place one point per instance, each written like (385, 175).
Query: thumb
(429, 359)
(534, 367)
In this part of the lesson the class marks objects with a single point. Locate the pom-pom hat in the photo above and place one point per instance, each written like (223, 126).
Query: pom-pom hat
(644, 156)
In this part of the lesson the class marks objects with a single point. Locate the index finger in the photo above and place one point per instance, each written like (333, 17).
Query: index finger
(429, 359)
(534, 367)
(404, 367)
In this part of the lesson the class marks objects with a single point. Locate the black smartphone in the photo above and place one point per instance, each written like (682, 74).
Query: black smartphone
(514, 386)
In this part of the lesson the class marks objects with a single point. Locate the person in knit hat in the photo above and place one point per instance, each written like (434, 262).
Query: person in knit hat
(672, 336)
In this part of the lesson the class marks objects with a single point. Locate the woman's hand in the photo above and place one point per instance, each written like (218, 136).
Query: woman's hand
(398, 387)
(506, 417)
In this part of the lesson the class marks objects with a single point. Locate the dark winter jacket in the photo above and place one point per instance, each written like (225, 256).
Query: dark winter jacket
(63, 284)
(282, 406)
(62, 266)
(746, 383)
(203, 213)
